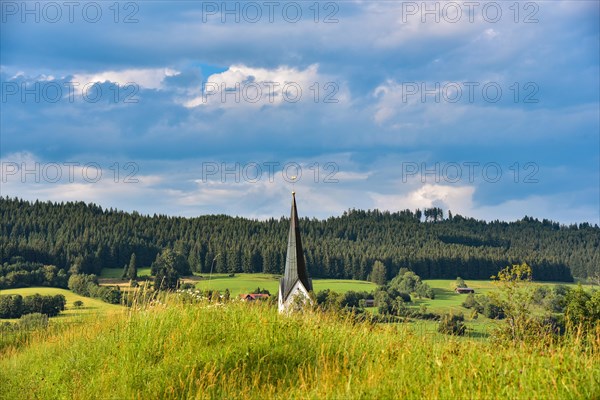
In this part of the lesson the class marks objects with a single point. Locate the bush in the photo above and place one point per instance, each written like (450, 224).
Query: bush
(187, 286)
(78, 304)
(555, 303)
(493, 311)
(489, 307)
(554, 324)
(452, 324)
(582, 309)
(423, 290)
(109, 295)
(540, 293)
(470, 302)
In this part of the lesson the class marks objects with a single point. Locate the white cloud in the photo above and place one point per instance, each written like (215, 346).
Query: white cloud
(456, 198)
(563, 207)
(145, 78)
(246, 86)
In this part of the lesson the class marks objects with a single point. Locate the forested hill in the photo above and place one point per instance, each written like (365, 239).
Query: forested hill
(79, 237)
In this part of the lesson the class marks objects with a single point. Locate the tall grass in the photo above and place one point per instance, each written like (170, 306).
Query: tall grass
(250, 351)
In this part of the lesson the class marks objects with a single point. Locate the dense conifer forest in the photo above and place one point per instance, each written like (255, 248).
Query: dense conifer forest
(43, 242)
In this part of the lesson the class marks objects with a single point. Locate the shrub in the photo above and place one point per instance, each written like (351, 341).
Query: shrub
(583, 309)
(555, 303)
(109, 295)
(78, 304)
(540, 293)
(490, 307)
(493, 311)
(452, 324)
(187, 286)
(554, 324)
(470, 302)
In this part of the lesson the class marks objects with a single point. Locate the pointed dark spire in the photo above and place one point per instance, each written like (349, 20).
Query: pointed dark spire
(295, 266)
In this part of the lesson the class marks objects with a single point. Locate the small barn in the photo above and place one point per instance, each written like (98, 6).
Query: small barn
(464, 290)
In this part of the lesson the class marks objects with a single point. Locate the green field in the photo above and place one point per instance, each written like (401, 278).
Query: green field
(90, 306)
(246, 283)
(117, 273)
(446, 300)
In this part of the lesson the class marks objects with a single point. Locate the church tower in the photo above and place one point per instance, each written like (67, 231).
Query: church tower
(295, 280)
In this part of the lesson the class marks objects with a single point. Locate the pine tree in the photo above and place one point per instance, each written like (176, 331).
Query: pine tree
(132, 269)
(378, 275)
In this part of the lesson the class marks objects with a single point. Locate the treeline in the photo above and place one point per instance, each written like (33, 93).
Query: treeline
(14, 306)
(20, 273)
(83, 238)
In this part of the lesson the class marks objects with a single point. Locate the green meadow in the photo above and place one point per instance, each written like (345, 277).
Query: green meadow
(117, 273)
(447, 300)
(246, 283)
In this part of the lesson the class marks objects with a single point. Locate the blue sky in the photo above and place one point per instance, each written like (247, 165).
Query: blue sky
(188, 108)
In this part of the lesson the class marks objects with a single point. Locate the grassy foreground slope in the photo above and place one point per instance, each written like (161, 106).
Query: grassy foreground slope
(250, 351)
